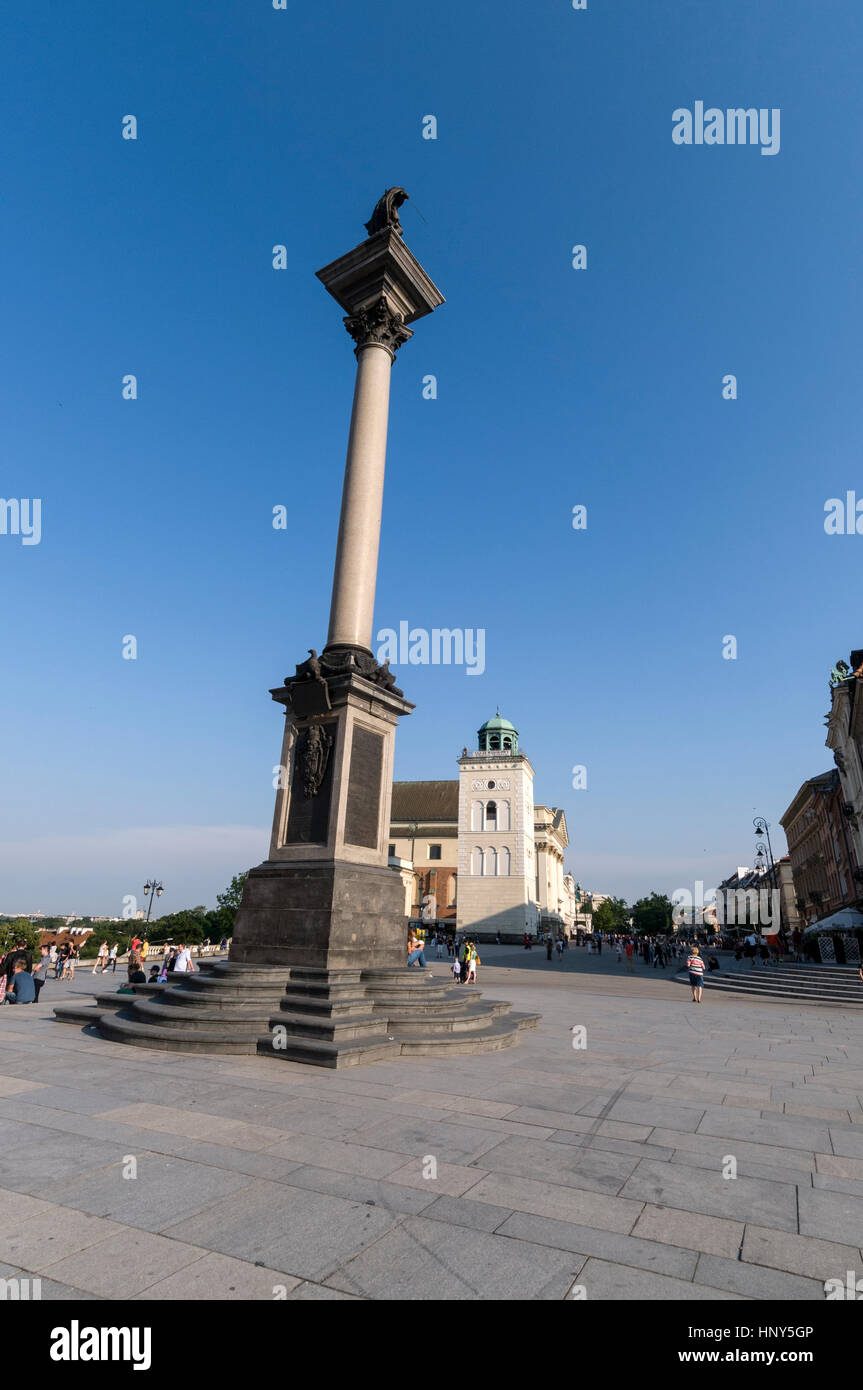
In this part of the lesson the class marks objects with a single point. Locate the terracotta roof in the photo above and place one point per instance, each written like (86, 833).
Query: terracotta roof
(425, 801)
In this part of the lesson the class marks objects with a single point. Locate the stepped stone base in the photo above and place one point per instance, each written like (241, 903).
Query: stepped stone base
(327, 1018)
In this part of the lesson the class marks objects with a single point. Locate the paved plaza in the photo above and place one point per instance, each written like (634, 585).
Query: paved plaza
(540, 1172)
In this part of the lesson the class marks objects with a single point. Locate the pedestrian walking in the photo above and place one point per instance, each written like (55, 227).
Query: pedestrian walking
(629, 948)
(101, 959)
(112, 958)
(695, 966)
(472, 963)
(548, 947)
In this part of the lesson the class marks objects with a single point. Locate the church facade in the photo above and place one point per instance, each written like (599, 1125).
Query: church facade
(485, 857)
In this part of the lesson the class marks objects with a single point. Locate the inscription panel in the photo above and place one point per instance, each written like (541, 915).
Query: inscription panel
(364, 788)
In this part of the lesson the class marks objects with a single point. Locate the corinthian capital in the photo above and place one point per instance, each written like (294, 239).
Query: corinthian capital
(378, 324)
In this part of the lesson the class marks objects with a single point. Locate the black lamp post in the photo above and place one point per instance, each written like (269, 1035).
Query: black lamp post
(153, 890)
(763, 829)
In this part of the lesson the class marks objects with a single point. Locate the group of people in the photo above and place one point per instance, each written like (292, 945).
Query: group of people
(20, 983)
(464, 955)
(177, 961)
(465, 963)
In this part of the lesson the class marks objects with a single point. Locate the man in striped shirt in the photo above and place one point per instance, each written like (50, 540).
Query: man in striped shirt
(695, 966)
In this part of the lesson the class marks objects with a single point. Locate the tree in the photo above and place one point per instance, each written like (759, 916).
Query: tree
(233, 893)
(653, 915)
(611, 915)
(14, 930)
(185, 926)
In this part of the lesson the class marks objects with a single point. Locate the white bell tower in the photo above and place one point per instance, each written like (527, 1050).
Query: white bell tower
(496, 849)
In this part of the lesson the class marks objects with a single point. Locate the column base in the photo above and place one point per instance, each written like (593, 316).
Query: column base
(323, 915)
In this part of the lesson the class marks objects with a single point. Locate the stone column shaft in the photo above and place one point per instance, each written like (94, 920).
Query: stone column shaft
(354, 580)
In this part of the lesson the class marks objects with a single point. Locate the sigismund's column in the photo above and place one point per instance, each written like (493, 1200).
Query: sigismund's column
(356, 565)
(325, 898)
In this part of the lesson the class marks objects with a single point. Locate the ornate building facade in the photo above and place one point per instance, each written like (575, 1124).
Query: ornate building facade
(823, 861)
(845, 738)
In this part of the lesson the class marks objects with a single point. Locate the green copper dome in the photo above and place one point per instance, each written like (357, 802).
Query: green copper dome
(498, 736)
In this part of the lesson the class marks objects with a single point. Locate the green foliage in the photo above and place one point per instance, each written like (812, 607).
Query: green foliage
(653, 915)
(17, 929)
(185, 926)
(232, 895)
(611, 915)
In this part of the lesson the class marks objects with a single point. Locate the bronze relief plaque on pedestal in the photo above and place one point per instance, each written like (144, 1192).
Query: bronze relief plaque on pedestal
(311, 785)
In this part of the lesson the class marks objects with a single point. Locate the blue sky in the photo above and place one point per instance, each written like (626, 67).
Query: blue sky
(555, 387)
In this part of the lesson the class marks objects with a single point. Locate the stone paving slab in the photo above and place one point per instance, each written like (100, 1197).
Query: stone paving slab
(291, 1229)
(591, 1169)
(587, 1240)
(220, 1277)
(750, 1282)
(163, 1190)
(434, 1260)
(832, 1215)
(807, 1255)
(125, 1264)
(605, 1281)
(401, 1198)
(690, 1189)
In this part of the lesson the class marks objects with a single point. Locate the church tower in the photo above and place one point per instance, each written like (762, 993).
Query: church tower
(496, 850)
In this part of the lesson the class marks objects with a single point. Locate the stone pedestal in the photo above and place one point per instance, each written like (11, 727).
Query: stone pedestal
(325, 898)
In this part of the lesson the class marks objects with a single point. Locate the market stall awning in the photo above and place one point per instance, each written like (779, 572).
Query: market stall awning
(846, 919)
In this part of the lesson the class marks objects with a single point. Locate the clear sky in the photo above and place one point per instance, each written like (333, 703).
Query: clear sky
(556, 387)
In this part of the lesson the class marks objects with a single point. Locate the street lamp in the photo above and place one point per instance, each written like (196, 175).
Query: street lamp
(412, 831)
(152, 889)
(762, 828)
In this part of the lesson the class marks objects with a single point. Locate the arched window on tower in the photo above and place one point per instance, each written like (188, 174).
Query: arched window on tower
(504, 868)
(494, 742)
(490, 816)
(491, 862)
(507, 743)
(476, 815)
(477, 862)
(503, 819)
